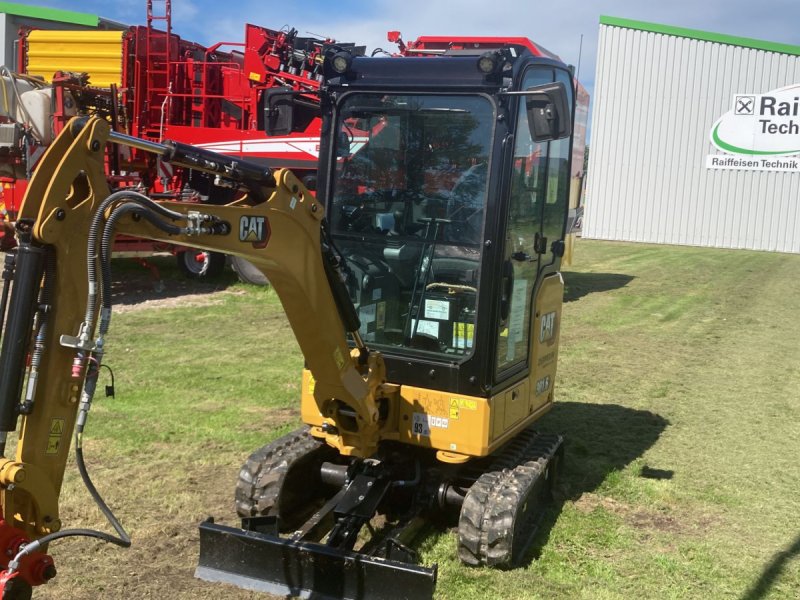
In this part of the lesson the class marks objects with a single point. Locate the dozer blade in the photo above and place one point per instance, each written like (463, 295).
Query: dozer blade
(268, 563)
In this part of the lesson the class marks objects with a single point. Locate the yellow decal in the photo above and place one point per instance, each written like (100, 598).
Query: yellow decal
(255, 76)
(464, 403)
(53, 443)
(463, 334)
(54, 439)
(454, 409)
(312, 383)
(337, 356)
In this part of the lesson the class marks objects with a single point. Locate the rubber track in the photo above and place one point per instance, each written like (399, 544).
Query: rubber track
(261, 478)
(488, 529)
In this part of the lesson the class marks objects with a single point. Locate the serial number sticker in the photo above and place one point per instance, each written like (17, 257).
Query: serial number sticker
(422, 423)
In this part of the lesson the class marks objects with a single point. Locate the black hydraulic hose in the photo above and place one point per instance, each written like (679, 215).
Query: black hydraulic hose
(149, 210)
(122, 538)
(95, 227)
(108, 239)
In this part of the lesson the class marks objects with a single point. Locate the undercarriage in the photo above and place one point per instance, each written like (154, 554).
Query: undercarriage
(316, 524)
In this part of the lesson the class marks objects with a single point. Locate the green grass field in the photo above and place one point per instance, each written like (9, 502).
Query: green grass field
(678, 392)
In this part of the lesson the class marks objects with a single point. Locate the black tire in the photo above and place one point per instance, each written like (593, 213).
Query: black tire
(247, 272)
(196, 264)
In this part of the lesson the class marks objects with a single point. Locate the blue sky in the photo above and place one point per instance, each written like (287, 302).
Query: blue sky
(557, 25)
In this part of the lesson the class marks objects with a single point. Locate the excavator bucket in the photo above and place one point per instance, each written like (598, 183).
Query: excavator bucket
(268, 563)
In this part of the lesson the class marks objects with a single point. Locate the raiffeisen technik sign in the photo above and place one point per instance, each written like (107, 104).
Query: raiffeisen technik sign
(760, 133)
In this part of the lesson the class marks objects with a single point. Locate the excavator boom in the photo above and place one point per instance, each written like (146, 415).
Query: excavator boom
(66, 223)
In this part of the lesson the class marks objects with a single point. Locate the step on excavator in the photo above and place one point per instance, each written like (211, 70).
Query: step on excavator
(422, 283)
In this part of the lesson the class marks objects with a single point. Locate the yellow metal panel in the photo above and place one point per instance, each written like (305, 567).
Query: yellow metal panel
(98, 53)
(516, 403)
(444, 420)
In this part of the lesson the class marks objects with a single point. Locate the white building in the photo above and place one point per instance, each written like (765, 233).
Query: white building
(695, 139)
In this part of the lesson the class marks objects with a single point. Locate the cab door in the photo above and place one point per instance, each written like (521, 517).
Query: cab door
(536, 218)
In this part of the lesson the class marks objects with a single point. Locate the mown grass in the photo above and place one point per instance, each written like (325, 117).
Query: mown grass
(677, 390)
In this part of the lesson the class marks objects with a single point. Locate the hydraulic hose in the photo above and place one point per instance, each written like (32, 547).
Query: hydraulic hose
(105, 250)
(149, 210)
(94, 229)
(122, 538)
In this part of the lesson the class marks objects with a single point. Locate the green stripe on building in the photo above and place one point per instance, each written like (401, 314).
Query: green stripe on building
(696, 34)
(49, 14)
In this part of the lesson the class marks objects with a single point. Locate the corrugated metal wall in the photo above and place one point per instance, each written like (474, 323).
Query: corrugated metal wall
(656, 98)
(98, 53)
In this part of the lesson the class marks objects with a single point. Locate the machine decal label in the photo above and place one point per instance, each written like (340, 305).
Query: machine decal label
(367, 313)
(437, 309)
(380, 316)
(547, 328)
(464, 403)
(459, 404)
(454, 409)
(338, 358)
(542, 385)
(422, 423)
(547, 358)
(516, 319)
(253, 229)
(463, 334)
(430, 328)
(312, 384)
(56, 433)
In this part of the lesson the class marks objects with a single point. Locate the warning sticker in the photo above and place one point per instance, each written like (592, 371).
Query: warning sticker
(465, 403)
(54, 439)
(53, 444)
(454, 409)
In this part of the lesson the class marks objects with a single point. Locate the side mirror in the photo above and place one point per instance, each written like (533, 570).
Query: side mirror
(279, 111)
(549, 114)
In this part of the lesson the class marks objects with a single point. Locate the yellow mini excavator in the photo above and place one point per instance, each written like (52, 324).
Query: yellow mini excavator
(422, 283)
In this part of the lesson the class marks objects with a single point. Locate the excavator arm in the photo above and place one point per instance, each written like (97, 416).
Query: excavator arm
(59, 311)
